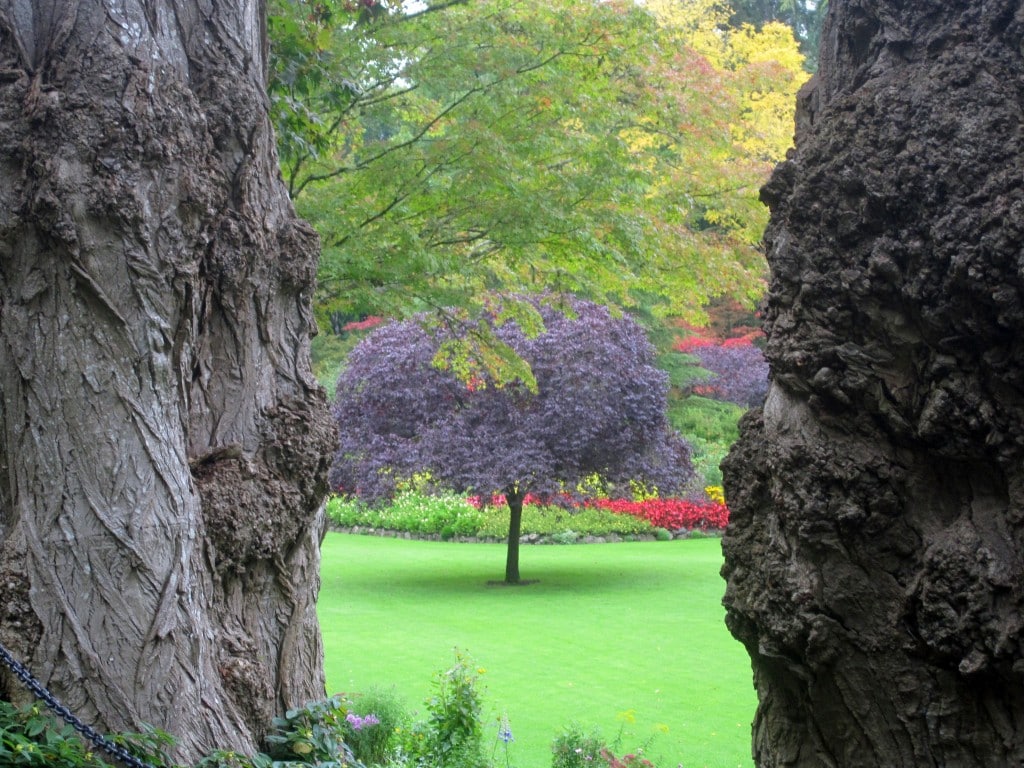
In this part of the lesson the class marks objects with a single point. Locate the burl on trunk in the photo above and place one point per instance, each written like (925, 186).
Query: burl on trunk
(875, 559)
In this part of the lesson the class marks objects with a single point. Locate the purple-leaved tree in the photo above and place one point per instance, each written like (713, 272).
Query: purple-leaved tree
(599, 410)
(739, 372)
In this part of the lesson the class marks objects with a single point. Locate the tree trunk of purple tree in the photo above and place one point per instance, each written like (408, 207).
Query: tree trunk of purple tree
(163, 445)
(875, 558)
(514, 497)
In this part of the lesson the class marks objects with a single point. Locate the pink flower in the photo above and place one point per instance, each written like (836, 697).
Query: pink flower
(358, 723)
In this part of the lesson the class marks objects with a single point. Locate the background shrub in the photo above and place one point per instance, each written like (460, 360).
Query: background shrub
(549, 520)
(455, 730)
(450, 516)
(374, 745)
(410, 511)
(574, 749)
(711, 427)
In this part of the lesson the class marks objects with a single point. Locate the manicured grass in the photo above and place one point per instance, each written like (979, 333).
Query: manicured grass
(613, 636)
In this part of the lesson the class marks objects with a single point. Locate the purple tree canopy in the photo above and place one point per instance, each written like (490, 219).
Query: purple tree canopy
(599, 410)
(739, 373)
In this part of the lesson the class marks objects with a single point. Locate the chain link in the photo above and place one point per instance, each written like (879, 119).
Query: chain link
(116, 751)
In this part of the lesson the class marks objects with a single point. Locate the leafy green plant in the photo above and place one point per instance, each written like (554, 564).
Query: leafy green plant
(313, 734)
(575, 749)
(374, 744)
(31, 735)
(149, 744)
(455, 729)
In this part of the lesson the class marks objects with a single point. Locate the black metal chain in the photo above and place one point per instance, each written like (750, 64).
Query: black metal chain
(116, 751)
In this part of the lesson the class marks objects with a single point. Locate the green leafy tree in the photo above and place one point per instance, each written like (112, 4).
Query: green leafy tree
(453, 151)
(804, 17)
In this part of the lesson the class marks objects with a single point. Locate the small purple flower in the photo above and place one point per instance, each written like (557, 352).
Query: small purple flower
(505, 730)
(358, 723)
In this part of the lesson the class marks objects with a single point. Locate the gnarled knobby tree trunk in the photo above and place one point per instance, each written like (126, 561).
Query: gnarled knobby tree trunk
(163, 446)
(875, 561)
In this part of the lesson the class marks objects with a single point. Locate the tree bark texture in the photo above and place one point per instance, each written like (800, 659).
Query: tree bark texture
(875, 558)
(163, 444)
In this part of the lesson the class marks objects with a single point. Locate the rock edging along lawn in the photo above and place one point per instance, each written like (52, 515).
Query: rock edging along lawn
(570, 537)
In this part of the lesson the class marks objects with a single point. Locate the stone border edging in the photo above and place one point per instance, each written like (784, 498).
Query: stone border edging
(530, 538)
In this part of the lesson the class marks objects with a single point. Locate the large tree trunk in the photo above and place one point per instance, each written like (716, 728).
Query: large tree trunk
(875, 559)
(163, 445)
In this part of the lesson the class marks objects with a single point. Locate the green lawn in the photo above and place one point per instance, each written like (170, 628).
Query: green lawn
(614, 636)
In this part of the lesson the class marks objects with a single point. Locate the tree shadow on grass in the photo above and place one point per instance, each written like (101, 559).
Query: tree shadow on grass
(551, 579)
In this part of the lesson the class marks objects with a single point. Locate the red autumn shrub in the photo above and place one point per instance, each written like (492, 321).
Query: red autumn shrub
(372, 321)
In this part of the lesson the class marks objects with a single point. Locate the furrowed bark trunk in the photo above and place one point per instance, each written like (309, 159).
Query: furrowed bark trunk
(875, 557)
(514, 498)
(162, 441)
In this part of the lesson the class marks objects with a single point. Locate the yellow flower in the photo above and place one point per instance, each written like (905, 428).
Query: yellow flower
(628, 716)
(302, 748)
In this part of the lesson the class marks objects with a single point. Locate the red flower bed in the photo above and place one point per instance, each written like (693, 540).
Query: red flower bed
(672, 514)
